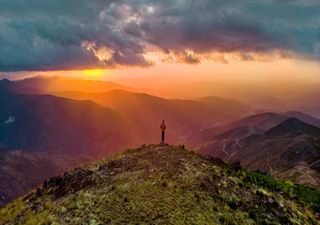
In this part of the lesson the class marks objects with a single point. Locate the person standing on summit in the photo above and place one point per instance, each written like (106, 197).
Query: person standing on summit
(163, 130)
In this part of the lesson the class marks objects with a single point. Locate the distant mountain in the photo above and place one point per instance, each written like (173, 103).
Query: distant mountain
(51, 134)
(303, 117)
(229, 105)
(55, 133)
(257, 96)
(7, 86)
(293, 127)
(184, 117)
(44, 122)
(62, 84)
(290, 150)
(253, 124)
(164, 185)
(239, 128)
(263, 120)
(76, 131)
(239, 132)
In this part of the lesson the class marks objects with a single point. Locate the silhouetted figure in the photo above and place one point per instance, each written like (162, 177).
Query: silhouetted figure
(163, 131)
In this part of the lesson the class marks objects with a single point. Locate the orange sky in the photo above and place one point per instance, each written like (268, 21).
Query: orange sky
(161, 73)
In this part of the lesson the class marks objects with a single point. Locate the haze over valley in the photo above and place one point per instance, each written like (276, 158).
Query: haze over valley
(49, 123)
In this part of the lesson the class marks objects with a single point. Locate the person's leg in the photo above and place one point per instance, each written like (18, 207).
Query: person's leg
(162, 137)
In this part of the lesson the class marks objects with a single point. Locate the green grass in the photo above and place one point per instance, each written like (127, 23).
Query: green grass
(301, 193)
(168, 185)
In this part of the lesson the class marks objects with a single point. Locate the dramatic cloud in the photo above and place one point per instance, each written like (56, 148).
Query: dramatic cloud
(76, 34)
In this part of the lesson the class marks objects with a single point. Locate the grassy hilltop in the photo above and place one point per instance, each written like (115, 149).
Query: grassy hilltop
(164, 185)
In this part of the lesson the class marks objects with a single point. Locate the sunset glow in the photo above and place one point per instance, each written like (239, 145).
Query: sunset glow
(95, 73)
(159, 112)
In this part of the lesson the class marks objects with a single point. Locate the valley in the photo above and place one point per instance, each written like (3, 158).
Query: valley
(66, 128)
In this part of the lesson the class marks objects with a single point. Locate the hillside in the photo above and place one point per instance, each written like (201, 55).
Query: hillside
(66, 132)
(164, 185)
(45, 131)
(304, 117)
(185, 117)
(21, 172)
(44, 122)
(293, 127)
(245, 126)
(288, 150)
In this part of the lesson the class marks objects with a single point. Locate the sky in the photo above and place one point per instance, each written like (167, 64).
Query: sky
(167, 40)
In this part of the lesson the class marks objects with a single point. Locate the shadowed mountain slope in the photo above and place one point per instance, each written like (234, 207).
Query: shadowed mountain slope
(44, 122)
(303, 117)
(41, 135)
(253, 124)
(289, 150)
(67, 132)
(185, 117)
(291, 127)
(21, 171)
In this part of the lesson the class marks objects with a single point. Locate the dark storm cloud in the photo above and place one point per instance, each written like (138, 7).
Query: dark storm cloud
(69, 34)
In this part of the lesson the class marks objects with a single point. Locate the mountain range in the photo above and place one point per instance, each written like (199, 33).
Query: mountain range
(62, 84)
(48, 126)
(256, 123)
(289, 150)
(67, 132)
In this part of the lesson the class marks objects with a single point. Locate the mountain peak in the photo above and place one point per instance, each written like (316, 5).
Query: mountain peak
(5, 85)
(292, 127)
(303, 117)
(162, 185)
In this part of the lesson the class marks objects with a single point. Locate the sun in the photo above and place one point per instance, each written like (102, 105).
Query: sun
(93, 73)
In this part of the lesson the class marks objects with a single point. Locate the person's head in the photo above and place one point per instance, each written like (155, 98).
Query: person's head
(162, 121)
